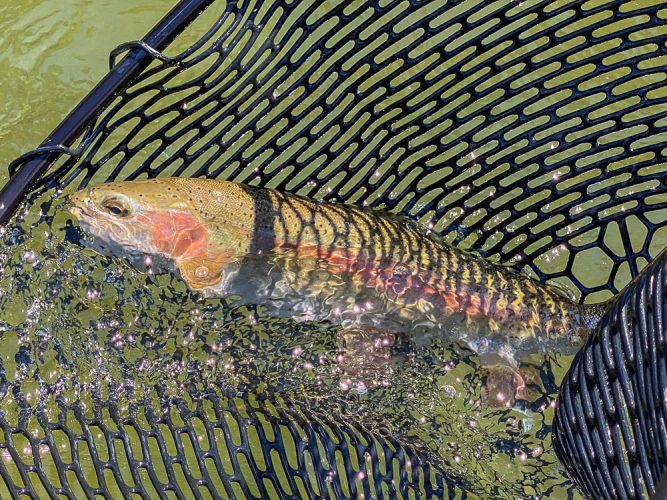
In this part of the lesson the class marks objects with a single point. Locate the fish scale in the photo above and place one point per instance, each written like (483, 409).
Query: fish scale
(472, 282)
(380, 251)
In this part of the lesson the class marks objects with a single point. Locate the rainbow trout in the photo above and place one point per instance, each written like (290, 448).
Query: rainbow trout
(331, 261)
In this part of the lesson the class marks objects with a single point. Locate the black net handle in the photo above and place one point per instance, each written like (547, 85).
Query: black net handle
(139, 56)
(610, 427)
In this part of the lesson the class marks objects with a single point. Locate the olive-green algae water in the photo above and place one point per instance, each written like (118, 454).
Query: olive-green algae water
(45, 69)
(79, 327)
(54, 53)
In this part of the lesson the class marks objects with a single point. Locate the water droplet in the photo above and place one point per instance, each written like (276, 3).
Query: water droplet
(30, 257)
(449, 391)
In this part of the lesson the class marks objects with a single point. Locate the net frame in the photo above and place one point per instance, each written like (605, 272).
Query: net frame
(610, 425)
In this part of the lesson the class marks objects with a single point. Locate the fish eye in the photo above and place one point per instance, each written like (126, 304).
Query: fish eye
(115, 207)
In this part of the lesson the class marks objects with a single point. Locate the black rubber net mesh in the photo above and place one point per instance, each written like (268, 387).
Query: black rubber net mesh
(514, 127)
(610, 428)
(531, 132)
(247, 451)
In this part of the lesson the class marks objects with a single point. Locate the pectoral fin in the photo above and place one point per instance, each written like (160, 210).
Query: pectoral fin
(203, 272)
(504, 385)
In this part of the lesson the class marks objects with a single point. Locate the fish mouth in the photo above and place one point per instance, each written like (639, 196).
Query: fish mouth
(76, 211)
(78, 206)
(108, 236)
(82, 215)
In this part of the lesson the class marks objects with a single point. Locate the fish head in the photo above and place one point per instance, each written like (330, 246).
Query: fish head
(112, 213)
(199, 224)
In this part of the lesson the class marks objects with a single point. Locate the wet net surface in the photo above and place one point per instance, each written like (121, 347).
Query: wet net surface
(214, 448)
(98, 355)
(532, 132)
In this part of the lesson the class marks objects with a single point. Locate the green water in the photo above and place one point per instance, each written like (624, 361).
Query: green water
(89, 328)
(53, 53)
(73, 314)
